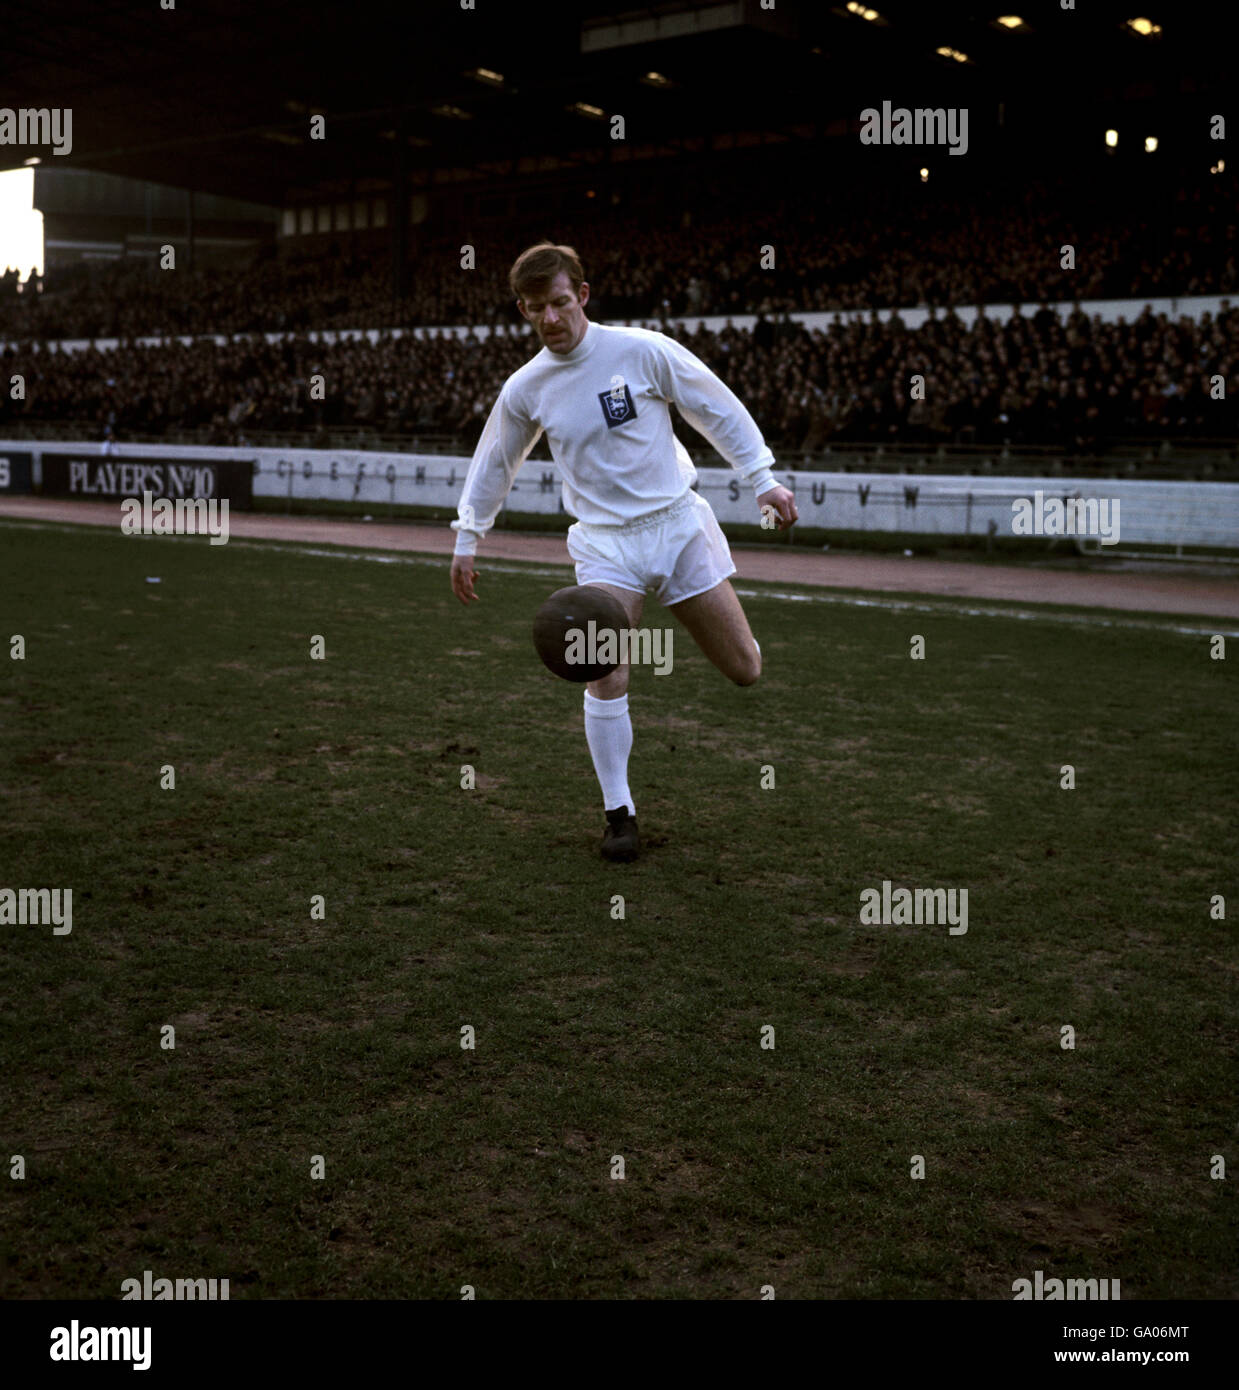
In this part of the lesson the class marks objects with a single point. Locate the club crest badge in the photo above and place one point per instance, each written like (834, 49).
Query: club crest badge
(617, 406)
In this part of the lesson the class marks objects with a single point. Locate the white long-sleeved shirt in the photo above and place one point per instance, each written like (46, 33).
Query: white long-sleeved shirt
(604, 407)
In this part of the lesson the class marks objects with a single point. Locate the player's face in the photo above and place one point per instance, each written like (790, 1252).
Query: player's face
(558, 314)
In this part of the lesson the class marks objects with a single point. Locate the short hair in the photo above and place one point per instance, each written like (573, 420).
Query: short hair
(535, 268)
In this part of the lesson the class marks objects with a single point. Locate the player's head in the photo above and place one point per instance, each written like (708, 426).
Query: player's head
(551, 293)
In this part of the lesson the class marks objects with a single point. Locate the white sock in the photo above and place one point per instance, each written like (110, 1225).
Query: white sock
(608, 731)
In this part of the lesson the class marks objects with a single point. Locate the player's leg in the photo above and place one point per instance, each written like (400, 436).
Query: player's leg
(716, 622)
(616, 684)
(697, 589)
(608, 731)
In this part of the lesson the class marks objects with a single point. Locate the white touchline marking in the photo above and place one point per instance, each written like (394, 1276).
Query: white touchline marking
(1047, 615)
(894, 605)
(847, 600)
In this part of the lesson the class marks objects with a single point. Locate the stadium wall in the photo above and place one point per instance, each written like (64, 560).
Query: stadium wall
(1148, 513)
(15, 466)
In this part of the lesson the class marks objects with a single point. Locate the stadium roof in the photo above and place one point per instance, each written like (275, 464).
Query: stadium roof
(218, 95)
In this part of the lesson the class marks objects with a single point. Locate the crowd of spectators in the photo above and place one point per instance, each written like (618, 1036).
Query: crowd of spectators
(1078, 384)
(797, 254)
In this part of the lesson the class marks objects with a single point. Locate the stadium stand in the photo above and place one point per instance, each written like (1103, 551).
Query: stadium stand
(946, 250)
(1137, 394)
(1079, 386)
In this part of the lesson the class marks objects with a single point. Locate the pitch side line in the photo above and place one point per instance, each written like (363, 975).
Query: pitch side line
(846, 600)
(892, 605)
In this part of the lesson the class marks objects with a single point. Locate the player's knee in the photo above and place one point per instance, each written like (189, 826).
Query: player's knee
(749, 670)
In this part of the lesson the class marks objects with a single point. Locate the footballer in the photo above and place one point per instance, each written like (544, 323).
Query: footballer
(602, 396)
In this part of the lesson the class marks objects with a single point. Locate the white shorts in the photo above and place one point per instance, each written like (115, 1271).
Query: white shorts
(678, 551)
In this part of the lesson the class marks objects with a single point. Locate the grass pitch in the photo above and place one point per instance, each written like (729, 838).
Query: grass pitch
(599, 1037)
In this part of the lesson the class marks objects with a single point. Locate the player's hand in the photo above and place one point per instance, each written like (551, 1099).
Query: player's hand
(463, 576)
(782, 502)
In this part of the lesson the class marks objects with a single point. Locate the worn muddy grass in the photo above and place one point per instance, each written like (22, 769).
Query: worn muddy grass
(600, 1037)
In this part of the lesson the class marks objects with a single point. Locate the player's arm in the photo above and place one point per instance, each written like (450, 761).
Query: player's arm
(717, 413)
(504, 446)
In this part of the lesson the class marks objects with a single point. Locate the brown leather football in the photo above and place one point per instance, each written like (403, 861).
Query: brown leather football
(563, 635)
